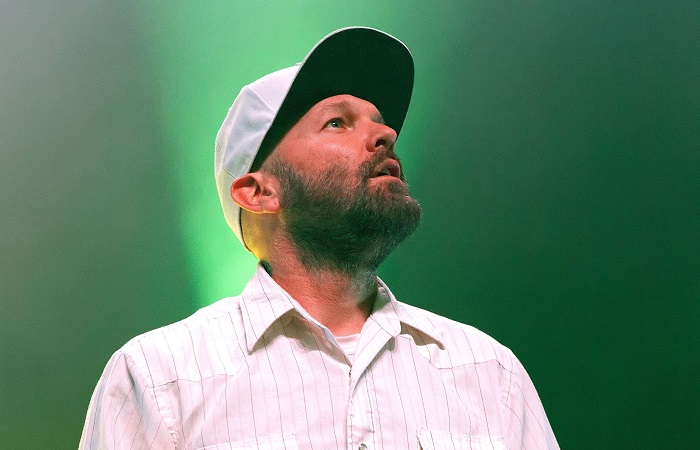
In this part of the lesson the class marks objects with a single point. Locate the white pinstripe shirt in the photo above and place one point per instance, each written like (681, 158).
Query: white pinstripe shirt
(257, 372)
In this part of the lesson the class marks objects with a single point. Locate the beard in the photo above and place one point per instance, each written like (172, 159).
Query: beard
(334, 229)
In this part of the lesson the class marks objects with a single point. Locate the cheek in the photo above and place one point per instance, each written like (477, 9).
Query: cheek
(323, 158)
(339, 164)
(309, 154)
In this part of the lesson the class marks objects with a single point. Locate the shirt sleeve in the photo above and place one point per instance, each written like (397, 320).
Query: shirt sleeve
(527, 423)
(124, 412)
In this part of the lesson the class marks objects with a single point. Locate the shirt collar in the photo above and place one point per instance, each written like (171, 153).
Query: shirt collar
(263, 302)
(390, 314)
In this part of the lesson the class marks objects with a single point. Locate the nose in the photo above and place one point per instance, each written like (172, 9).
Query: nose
(382, 136)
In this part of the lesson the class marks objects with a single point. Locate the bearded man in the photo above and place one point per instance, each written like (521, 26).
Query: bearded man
(316, 352)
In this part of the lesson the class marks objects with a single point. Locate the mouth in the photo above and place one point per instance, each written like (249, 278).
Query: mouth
(388, 168)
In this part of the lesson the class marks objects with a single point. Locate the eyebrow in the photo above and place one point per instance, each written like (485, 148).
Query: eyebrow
(344, 106)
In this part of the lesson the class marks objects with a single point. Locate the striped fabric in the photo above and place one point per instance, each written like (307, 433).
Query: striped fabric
(257, 372)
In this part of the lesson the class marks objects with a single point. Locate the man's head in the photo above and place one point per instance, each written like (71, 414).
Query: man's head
(342, 197)
(320, 139)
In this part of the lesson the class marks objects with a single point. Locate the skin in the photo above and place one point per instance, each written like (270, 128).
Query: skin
(340, 131)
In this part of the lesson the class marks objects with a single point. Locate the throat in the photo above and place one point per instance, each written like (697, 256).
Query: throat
(340, 302)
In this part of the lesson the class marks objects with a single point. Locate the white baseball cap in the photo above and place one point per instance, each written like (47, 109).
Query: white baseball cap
(360, 61)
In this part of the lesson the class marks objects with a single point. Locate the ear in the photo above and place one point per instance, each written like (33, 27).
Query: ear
(256, 192)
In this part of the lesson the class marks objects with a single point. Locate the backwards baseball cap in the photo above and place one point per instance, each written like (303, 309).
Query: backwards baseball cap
(359, 61)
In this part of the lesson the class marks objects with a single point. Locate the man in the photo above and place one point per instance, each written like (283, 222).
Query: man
(316, 353)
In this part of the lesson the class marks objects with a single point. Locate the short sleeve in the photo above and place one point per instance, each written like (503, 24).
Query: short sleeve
(527, 426)
(124, 412)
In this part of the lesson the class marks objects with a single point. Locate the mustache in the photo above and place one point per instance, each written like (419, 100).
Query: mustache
(368, 167)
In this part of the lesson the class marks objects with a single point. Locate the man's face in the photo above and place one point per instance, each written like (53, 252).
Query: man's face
(345, 202)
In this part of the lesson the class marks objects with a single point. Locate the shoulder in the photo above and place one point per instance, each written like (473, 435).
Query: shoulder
(188, 348)
(464, 344)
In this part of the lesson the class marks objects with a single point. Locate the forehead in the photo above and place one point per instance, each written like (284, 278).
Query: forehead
(344, 104)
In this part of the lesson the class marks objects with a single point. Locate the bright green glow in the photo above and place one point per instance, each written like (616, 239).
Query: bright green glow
(203, 53)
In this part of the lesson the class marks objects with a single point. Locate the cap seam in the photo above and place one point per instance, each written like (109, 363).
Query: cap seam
(264, 102)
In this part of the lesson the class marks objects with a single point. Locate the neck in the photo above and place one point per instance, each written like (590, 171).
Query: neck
(339, 300)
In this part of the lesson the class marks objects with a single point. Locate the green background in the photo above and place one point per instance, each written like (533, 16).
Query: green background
(554, 146)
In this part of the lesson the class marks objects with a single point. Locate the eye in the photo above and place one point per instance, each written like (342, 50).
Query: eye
(334, 123)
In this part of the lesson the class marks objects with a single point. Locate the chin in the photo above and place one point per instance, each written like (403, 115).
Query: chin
(398, 187)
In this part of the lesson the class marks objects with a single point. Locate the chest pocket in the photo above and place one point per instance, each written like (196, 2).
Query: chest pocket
(267, 443)
(441, 440)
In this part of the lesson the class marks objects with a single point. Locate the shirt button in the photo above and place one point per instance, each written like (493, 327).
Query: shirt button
(363, 447)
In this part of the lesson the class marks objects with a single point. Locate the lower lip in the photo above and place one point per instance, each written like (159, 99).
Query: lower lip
(387, 178)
